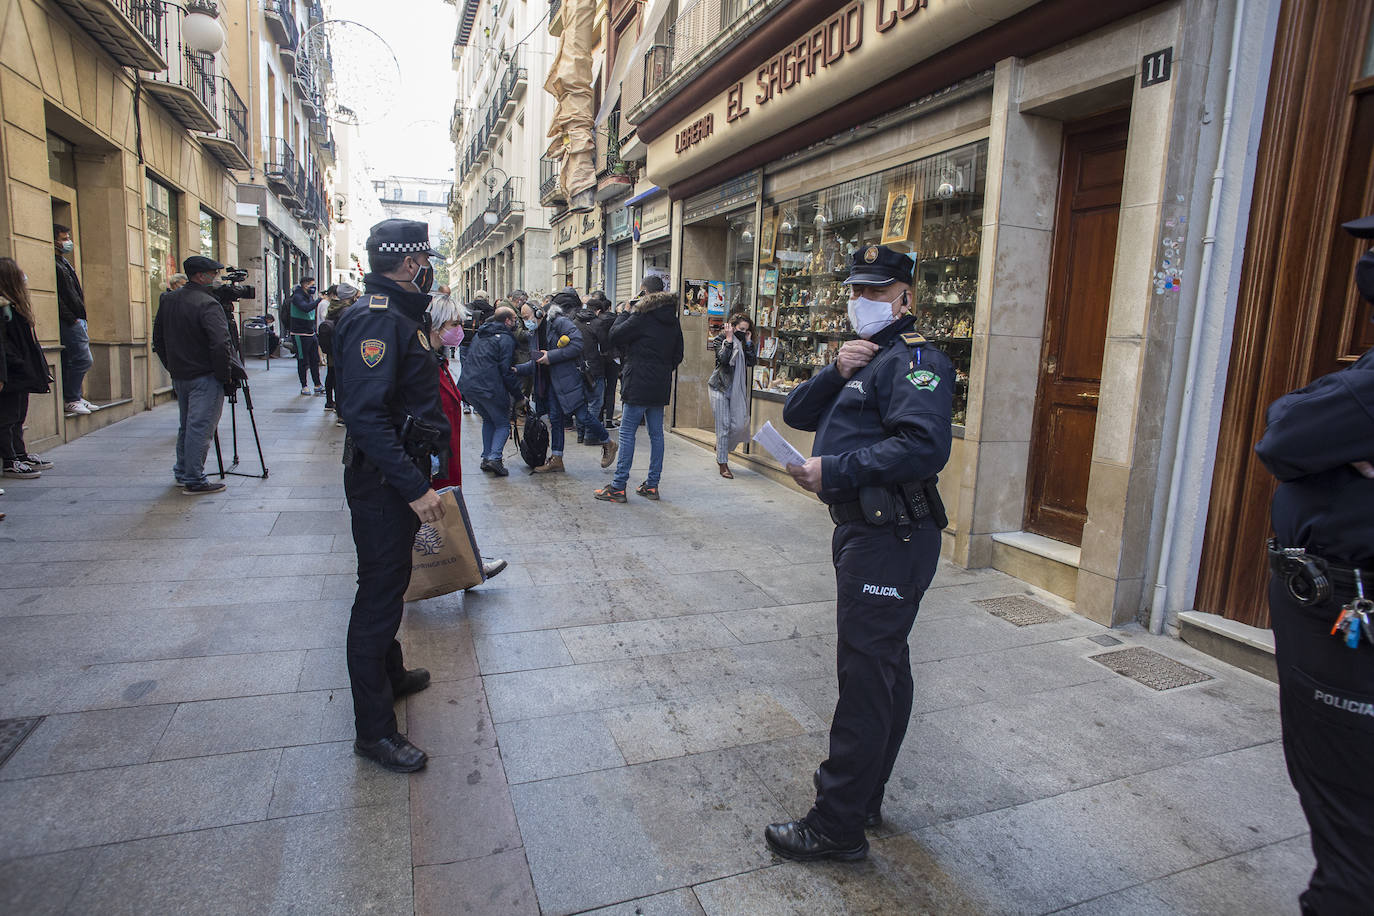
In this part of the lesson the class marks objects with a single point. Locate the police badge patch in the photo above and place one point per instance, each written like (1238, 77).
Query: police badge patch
(923, 379)
(871, 254)
(424, 339)
(373, 351)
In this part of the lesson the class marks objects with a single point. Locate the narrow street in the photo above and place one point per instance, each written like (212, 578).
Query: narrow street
(613, 720)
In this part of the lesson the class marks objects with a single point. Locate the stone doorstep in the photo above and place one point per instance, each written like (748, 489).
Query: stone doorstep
(1041, 561)
(1231, 641)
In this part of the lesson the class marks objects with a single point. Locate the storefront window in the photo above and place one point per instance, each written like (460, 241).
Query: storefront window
(932, 208)
(162, 248)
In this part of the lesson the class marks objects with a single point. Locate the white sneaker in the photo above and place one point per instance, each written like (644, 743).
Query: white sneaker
(305, 391)
(89, 406)
(76, 408)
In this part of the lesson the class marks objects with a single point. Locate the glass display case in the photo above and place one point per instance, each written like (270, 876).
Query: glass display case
(932, 209)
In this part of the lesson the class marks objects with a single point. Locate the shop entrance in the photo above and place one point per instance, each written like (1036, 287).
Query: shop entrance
(1084, 249)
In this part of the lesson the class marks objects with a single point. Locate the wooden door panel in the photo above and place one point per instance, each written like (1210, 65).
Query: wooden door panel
(1084, 250)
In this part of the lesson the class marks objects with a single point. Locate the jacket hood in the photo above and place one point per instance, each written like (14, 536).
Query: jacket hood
(585, 314)
(654, 301)
(567, 300)
(492, 328)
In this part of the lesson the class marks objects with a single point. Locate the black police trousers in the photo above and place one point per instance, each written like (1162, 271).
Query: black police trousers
(384, 528)
(879, 580)
(1326, 704)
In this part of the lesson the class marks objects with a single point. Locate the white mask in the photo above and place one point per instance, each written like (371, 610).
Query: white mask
(869, 316)
(67, 246)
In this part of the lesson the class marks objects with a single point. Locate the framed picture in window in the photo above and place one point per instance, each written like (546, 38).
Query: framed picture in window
(768, 237)
(897, 217)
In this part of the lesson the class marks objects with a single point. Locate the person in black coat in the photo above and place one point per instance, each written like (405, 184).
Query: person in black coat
(23, 371)
(489, 384)
(596, 340)
(649, 335)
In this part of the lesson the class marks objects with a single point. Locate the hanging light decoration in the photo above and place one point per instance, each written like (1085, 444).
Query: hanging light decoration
(201, 28)
(860, 209)
(789, 222)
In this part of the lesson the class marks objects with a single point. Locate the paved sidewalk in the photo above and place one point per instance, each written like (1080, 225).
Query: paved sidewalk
(613, 720)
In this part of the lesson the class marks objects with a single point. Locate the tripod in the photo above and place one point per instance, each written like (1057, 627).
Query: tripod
(234, 428)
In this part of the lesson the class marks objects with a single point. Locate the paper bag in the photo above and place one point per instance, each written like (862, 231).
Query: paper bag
(444, 557)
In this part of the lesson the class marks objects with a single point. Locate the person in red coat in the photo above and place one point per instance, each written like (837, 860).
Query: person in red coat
(445, 335)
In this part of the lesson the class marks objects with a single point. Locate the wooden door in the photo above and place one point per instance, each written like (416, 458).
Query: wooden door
(1090, 174)
(1298, 315)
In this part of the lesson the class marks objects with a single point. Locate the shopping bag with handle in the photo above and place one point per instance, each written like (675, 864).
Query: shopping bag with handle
(444, 557)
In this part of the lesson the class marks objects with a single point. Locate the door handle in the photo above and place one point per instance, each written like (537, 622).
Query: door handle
(1088, 396)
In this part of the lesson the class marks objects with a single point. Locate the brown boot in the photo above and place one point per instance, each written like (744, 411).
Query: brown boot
(555, 463)
(608, 450)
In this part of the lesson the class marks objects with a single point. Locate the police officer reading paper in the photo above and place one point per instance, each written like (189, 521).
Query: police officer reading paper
(1319, 442)
(388, 397)
(882, 414)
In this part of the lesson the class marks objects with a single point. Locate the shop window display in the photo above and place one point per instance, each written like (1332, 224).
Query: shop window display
(932, 208)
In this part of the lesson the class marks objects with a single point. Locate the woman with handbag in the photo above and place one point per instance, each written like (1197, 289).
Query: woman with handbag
(23, 371)
(729, 388)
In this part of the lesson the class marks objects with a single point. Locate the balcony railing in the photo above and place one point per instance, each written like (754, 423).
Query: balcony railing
(229, 144)
(499, 108)
(187, 88)
(281, 22)
(549, 191)
(510, 200)
(130, 31)
(283, 174)
(658, 64)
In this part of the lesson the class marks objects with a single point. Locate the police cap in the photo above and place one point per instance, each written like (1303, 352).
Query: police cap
(878, 265)
(1362, 228)
(199, 264)
(401, 236)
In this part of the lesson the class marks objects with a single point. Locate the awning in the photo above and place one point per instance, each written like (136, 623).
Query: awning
(640, 198)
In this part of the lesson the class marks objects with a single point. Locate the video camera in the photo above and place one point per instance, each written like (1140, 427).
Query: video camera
(232, 288)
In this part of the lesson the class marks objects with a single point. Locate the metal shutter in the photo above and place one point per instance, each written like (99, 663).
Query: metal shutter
(624, 273)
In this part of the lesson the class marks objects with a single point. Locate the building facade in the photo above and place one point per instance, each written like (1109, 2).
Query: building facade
(422, 199)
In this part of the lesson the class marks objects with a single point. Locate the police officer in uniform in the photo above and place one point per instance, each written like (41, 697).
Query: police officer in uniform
(882, 415)
(1319, 443)
(388, 397)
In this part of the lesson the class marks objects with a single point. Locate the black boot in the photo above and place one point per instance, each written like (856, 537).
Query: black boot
(798, 841)
(394, 753)
(413, 681)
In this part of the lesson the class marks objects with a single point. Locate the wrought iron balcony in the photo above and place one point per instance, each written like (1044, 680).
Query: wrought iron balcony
(281, 23)
(187, 87)
(281, 171)
(510, 201)
(229, 144)
(130, 31)
(550, 192)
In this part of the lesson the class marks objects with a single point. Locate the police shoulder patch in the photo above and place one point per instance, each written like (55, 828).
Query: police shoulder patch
(923, 379)
(373, 350)
(376, 302)
(424, 339)
(912, 339)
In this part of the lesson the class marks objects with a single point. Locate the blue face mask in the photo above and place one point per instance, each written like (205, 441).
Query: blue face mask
(531, 324)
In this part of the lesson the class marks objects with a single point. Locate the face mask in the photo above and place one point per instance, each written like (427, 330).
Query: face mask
(531, 324)
(67, 246)
(1364, 275)
(869, 316)
(452, 337)
(424, 278)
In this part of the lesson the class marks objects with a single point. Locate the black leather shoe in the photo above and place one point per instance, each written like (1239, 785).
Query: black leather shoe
(394, 753)
(797, 840)
(872, 820)
(413, 681)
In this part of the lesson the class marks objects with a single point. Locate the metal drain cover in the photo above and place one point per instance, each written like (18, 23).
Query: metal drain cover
(1150, 668)
(1019, 610)
(289, 409)
(12, 734)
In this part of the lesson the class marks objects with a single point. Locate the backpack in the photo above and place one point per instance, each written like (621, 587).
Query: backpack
(534, 444)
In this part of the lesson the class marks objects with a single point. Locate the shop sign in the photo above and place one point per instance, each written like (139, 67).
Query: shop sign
(858, 47)
(655, 218)
(576, 229)
(734, 193)
(617, 225)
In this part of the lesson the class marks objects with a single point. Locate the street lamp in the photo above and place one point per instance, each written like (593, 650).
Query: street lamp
(490, 217)
(201, 28)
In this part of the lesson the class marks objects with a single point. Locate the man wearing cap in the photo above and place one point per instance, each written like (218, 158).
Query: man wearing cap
(388, 397)
(1319, 442)
(882, 414)
(191, 338)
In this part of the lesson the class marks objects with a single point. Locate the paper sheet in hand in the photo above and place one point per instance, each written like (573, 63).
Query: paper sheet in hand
(777, 446)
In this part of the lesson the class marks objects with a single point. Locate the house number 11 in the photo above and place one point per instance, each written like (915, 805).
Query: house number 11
(1156, 67)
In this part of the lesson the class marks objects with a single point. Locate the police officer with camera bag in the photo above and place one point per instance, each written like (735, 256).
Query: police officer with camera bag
(1319, 442)
(388, 397)
(882, 414)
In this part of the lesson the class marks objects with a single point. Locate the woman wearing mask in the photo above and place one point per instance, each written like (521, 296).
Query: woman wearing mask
(446, 330)
(729, 387)
(23, 371)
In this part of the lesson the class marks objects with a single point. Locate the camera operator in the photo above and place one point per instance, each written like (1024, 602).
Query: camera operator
(191, 337)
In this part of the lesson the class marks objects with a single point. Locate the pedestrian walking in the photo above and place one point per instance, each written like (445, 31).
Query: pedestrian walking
(882, 414)
(388, 397)
(191, 338)
(72, 328)
(650, 337)
(557, 347)
(489, 384)
(23, 371)
(304, 306)
(729, 388)
(1319, 442)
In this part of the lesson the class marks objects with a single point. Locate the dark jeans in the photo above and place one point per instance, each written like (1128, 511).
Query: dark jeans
(200, 401)
(608, 400)
(328, 384)
(76, 358)
(308, 357)
(1328, 741)
(14, 410)
(879, 582)
(594, 402)
(384, 528)
(595, 431)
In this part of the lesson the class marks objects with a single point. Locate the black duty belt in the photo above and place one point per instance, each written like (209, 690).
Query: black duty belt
(1312, 580)
(841, 513)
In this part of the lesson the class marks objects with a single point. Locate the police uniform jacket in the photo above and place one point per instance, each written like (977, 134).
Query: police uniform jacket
(888, 423)
(191, 335)
(387, 371)
(561, 372)
(1311, 437)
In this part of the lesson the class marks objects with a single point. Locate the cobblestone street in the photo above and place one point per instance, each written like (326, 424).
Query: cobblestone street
(612, 723)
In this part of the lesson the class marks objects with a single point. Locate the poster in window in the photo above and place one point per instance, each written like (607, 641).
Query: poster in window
(897, 219)
(768, 282)
(693, 298)
(715, 298)
(768, 237)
